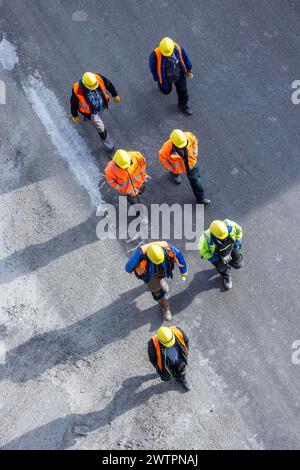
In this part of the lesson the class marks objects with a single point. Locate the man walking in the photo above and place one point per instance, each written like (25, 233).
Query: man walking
(179, 156)
(170, 64)
(168, 352)
(126, 173)
(153, 263)
(221, 245)
(90, 98)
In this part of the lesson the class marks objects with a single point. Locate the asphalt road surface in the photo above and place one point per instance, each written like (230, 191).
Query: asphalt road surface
(73, 325)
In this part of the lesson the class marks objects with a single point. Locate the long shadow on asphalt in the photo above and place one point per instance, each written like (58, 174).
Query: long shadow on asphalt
(37, 256)
(63, 432)
(89, 335)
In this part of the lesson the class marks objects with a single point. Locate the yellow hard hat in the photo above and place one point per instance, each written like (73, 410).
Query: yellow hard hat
(178, 138)
(166, 46)
(89, 80)
(122, 159)
(155, 253)
(219, 229)
(165, 336)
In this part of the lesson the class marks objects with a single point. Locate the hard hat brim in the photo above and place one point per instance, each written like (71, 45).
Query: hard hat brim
(123, 167)
(169, 343)
(223, 237)
(182, 145)
(91, 87)
(167, 54)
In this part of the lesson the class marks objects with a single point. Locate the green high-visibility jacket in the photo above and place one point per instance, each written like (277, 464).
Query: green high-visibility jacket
(206, 243)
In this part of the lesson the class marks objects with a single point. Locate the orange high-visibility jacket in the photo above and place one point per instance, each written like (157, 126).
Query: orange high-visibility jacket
(173, 162)
(179, 339)
(159, 61)
(129, 181)
(83, 105)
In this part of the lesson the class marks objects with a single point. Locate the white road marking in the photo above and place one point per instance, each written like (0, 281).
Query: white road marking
(79, 16)
(2, 352)
(69, 144)
(8, 55)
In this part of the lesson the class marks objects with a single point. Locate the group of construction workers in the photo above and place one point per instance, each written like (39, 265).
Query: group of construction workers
(154, 262)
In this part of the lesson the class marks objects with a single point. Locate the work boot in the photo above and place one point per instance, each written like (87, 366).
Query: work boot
(185, 109)
(204, 201)
(165, 307)
(177, 178)
(227, 282)
(107, 142)
(165, 287)
(185, 383)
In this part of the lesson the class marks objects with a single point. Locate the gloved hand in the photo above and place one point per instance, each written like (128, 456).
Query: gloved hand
(226, 259)
(190, 74)
(117, 99)
(76, 120)
(183, 277)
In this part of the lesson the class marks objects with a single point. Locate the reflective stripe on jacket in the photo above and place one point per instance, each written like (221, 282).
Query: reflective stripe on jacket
(179, 341)
(83, 105)
(172, 161)
(207, 245)
(129, 181)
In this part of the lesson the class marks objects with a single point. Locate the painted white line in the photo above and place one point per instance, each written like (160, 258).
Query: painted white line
(69, 144)
(2, 352)
(8, 55)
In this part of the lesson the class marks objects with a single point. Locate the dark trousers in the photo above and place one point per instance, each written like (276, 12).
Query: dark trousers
(181, 88)
(135, 199)
(196, 183)
(179, 373)
(236, 263)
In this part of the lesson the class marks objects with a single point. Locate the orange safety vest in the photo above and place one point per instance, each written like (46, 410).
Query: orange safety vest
(157, 344)
(141, 268)
(173, 162)
(83, 105)
(159, 61)
(129, 181)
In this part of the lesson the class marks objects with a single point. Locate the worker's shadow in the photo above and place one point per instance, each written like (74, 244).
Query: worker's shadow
(62, 433)
(36, 256)
(89, 335)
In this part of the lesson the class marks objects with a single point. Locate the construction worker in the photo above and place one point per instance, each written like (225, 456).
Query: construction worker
(153, 263)
(168, 353)
(90, 98)
(126, 173)
(221, 245)
(169, 63)
(179, 156)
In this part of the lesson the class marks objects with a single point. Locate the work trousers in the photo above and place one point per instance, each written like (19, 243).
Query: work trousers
(196, 183)
(97, 123)
(236, 263)
(179, 373)
(181, 89)
(157, 287)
